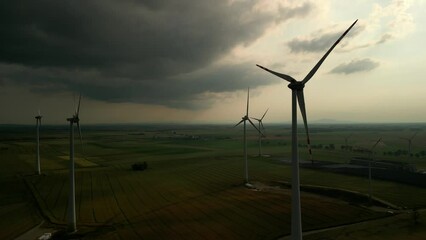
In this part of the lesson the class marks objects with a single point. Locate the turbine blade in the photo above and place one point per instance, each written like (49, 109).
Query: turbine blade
(301, 100)
(280, 75)
(79, 133)
(239, 122)
(255, 126)
(75, 109)
(248, 97)
(413, 135)
(314, 70)
(81, 138)
(257, 119)
(264, 114)
(261, 124)
(79, 101)
(376, 144)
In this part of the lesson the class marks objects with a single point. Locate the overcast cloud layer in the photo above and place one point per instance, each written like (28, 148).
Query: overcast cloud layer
(155, 52)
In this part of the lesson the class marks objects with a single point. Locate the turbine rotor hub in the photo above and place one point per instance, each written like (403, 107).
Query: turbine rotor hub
(296, 85)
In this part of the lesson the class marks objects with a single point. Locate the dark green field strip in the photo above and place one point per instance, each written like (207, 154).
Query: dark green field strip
(16, 219)
(396, 193)
(244, 204)
(148, 192)
(85, 204)
(195, 220)
(216, 219)
(52, 190)
(269, 225)
(124, 202)
(269, 207)
(105, 204)
(161, 224)
(175, 222)
(233, 219)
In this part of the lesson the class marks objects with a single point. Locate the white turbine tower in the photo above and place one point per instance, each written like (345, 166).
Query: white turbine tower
(410, 141)
(369, 170)
(71, 215)
(244, 119)
(38, 124)
(297, 95)
(260, 134)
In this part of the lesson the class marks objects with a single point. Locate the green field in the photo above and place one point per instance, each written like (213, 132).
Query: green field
(193, 187)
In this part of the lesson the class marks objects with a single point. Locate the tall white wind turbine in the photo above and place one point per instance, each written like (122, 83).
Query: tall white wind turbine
(38, 124)
(260, 124)
(297, 95)
(71, 215)
(410, 141)
(369, 170)
(243, 120)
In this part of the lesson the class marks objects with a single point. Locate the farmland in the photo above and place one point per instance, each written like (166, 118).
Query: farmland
(193, 186)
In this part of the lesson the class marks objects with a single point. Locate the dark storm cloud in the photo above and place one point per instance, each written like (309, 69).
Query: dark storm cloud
(130, 51)
(354, 66)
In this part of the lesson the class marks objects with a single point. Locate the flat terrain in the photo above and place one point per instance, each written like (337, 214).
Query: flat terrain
(193, 187)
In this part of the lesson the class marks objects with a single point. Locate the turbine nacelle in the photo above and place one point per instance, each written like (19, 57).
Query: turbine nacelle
(296, 85)
(73, 119)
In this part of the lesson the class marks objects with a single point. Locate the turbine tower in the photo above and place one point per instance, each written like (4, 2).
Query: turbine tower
(297, 95)
(38, 124)
(71, 216)
(369, 170)
(243, 120)
(410, 141)
(260, 134)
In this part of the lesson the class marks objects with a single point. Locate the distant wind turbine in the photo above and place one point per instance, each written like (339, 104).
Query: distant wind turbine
(346, 141)
(71, 215)
(347, 146)
(263, 128)
(297, 95)
(410, 141)
(38, 124)
(369, 170)
(243, 120)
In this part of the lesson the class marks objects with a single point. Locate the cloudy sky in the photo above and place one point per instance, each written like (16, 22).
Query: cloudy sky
(192, 61)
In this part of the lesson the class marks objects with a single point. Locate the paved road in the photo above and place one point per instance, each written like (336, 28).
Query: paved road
(35, 232)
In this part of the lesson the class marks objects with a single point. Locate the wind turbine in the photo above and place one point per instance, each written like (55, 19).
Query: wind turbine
(72, 226)
(347, 146)
(409, 140)
(38, 124)
(369, 170)
(243, 120)
(260, 134)
(297, 95)
(346, 141)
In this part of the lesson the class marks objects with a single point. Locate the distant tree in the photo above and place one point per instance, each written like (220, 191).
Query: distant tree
(139, 166)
